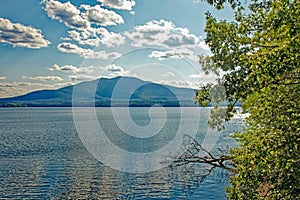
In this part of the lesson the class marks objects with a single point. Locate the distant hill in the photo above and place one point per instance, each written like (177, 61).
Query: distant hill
(119, 91)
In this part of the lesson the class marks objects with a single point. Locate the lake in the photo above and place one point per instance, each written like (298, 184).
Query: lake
(43, 156)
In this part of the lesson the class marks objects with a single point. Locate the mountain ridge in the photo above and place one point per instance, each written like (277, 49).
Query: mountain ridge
(105, 92)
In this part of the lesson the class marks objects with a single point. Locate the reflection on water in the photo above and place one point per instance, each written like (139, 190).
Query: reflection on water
(42, 157)
(84, 178)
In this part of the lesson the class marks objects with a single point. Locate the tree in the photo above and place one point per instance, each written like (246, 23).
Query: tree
(259, 54)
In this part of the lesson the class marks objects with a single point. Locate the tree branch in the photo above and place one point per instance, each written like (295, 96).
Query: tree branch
(193, 152)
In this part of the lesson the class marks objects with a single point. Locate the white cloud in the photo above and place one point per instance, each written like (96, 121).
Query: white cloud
(163, 34)
(85, 21)
(116, 70)
(210, 76)
(72, 48)
(85, 37)
(44, 78)
(196, 76)
(20, 88)
(198, 84)
(20, 35)
(13, 84)
(82, 77)
(118, 4)
(89, 70)
(101, 16)
(75, 70)
(79, 74)
(83, 17)
(86, 53)
(177, 83)
(66, 13)
(174, 54)
(110, 39)
(204, 78)
(168, 74)
(176, 42)
(13, 89)
(65, 68)
(95, 36)
(6, 92)
(2, 77)
(203, 45)
(102, 55)
(77, 36)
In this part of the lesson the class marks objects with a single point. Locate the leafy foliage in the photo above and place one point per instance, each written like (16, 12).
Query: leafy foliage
(259, 53)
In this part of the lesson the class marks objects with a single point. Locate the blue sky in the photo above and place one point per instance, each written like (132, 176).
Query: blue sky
(49, 44)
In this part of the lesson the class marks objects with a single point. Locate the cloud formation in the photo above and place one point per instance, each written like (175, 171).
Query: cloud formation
(168, 74)
(65, 68)
(101, 16)
(81, 77)
(20, 35)
(163, 34)
(177, 42)
(20, 88)
(2, 77)
(174, 54)
(211, 77)
(95, 36)
(116, 70)
(102, 55)
(66, 13)
(86, 53)
(44, 78)
(110, 39)
(75, 70)
(67, 47)
(177, 83)
(84, 37)
(86, 22)
(118, 4)
(197, 76)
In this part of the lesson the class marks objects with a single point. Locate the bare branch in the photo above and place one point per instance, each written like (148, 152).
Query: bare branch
(194, 154)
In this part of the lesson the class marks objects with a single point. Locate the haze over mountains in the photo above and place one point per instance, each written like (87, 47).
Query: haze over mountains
(118, 91)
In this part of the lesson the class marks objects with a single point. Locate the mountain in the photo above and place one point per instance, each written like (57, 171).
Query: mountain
(118, 91)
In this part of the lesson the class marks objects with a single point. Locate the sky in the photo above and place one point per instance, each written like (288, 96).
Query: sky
(49, 44)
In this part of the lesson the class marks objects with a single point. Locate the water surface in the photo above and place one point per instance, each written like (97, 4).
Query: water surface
(42, 157)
